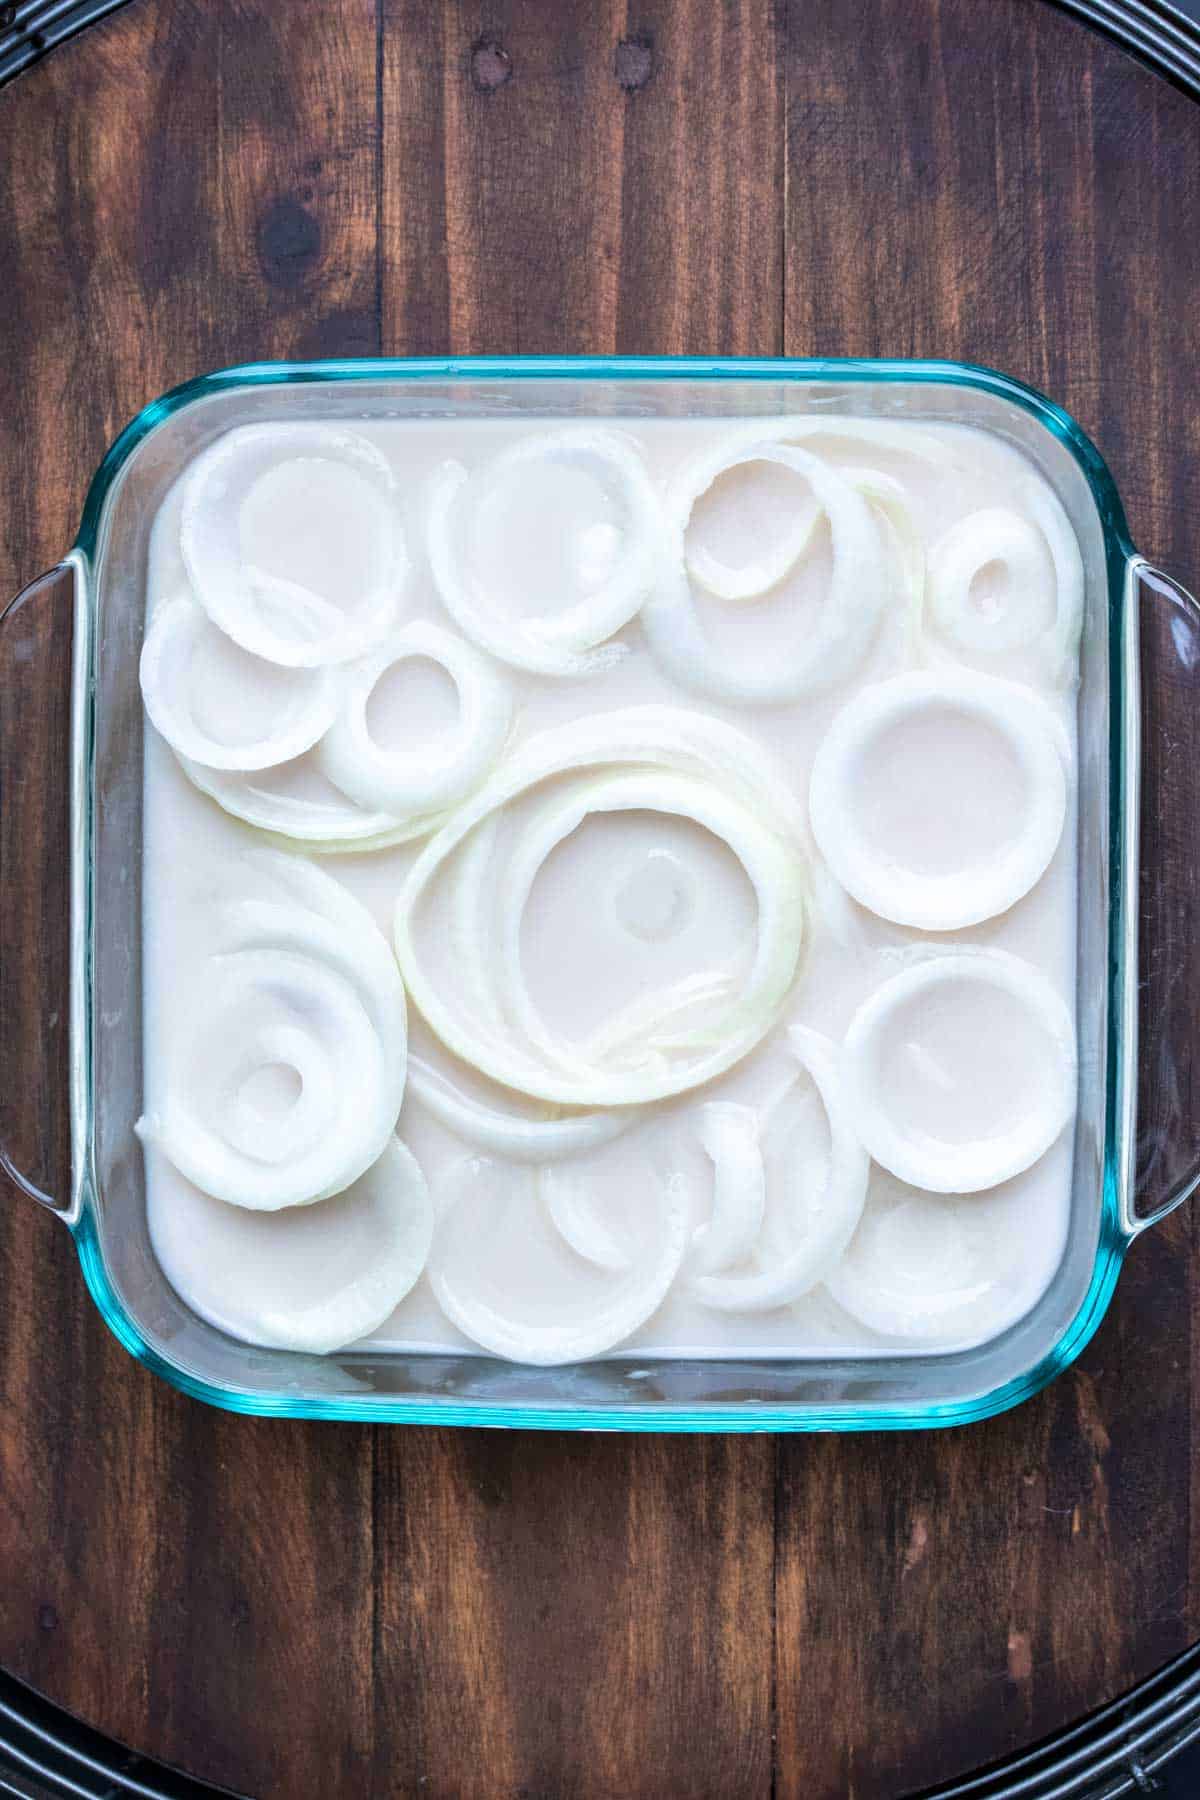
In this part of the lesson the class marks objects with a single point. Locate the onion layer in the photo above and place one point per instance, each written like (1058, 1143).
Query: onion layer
(564, 644)
(942, 900)
(283, 621)
(180, 640)
(330, 827)
(614, 1304)
(729, 1134)
(828, 1218)
(848, 619)
(415, 783)
(906, 1039)
(290, 1085)
(311, 1278)
(508, 1135)
(738, 797)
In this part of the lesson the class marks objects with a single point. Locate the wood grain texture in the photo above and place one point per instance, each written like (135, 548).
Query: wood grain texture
(299, 1610)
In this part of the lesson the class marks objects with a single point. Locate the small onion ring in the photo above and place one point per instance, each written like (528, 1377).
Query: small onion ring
(849, 614)
(566, 644)
(370, 1243)
(963, 896)
(633, 1300)
(409, 783)
(835, 1217)
(171, 639)
(249, 605)
(921, 1159)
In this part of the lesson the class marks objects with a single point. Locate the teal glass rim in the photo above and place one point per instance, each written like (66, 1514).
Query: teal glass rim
(1117, 1226)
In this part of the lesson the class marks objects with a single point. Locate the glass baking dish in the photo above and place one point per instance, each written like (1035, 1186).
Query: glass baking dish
(100, 588)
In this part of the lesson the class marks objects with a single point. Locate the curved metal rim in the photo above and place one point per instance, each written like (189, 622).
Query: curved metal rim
(45, 1753)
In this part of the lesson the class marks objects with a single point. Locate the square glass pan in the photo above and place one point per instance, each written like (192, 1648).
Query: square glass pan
(106, 1212)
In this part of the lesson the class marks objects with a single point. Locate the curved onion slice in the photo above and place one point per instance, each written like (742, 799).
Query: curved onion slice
(310, 1278)
(979, 887)
(283, 621)
(182, 645)
(738, 447)
(417, 782)
(926, 1268)
(489, 1312)
(324, 827)
(508, 1135)
(1018, 543)
(957, 1098)
(829, 1220)
(849, 613)
(564, 644)
(735, 801)
(578, 1221)
(729, 1136)
(309, 1004)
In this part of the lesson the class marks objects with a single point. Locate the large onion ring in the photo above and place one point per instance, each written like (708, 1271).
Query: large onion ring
(251, 607)
(938, 901)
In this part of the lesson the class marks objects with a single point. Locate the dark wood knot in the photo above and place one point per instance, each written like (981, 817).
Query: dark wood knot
(491, 65)
(289, 241)
(633, 62)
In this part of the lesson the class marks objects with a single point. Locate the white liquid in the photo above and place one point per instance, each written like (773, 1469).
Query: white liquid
(633, 901)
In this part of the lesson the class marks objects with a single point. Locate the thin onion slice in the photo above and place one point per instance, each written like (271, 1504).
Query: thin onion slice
(311, 1278)
(917, 1001)
(417, 782)
(577, 1220)
(175, 644)
(738, 447)
(678, 743)
(565, 644)
(939, 900)
(1018, 542)
(282, 621)
(508, 1135)
(323, 827)
(625, 1302)
(848, 618)
(729, 1136)
(307, 993)
(831, 1217)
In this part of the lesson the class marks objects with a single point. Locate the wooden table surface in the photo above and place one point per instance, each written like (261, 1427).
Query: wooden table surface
(312, 1610)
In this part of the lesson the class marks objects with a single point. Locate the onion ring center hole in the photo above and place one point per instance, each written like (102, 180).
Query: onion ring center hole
(961, 1061)
(314, 521)
(939, 789)
(543, 537)
(747, 513)
(414, 702)
(990, 592)
(271, 1091)
(654, 898)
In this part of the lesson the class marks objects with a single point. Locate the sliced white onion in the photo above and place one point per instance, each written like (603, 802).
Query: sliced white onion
(729, 1136)
(577, 1219)
(315, 993)
(942, 900)
(564, 644)
(310, 1278)
(281, 621)
(951, 1163)
(323, 827)
(417, 782)
(737, 803)
(925, 1268)
(827, 1221)
(848, 618)
(1018, 541)
(615, 1304)
(508, 1135)
(737, 448)
(178, 642)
